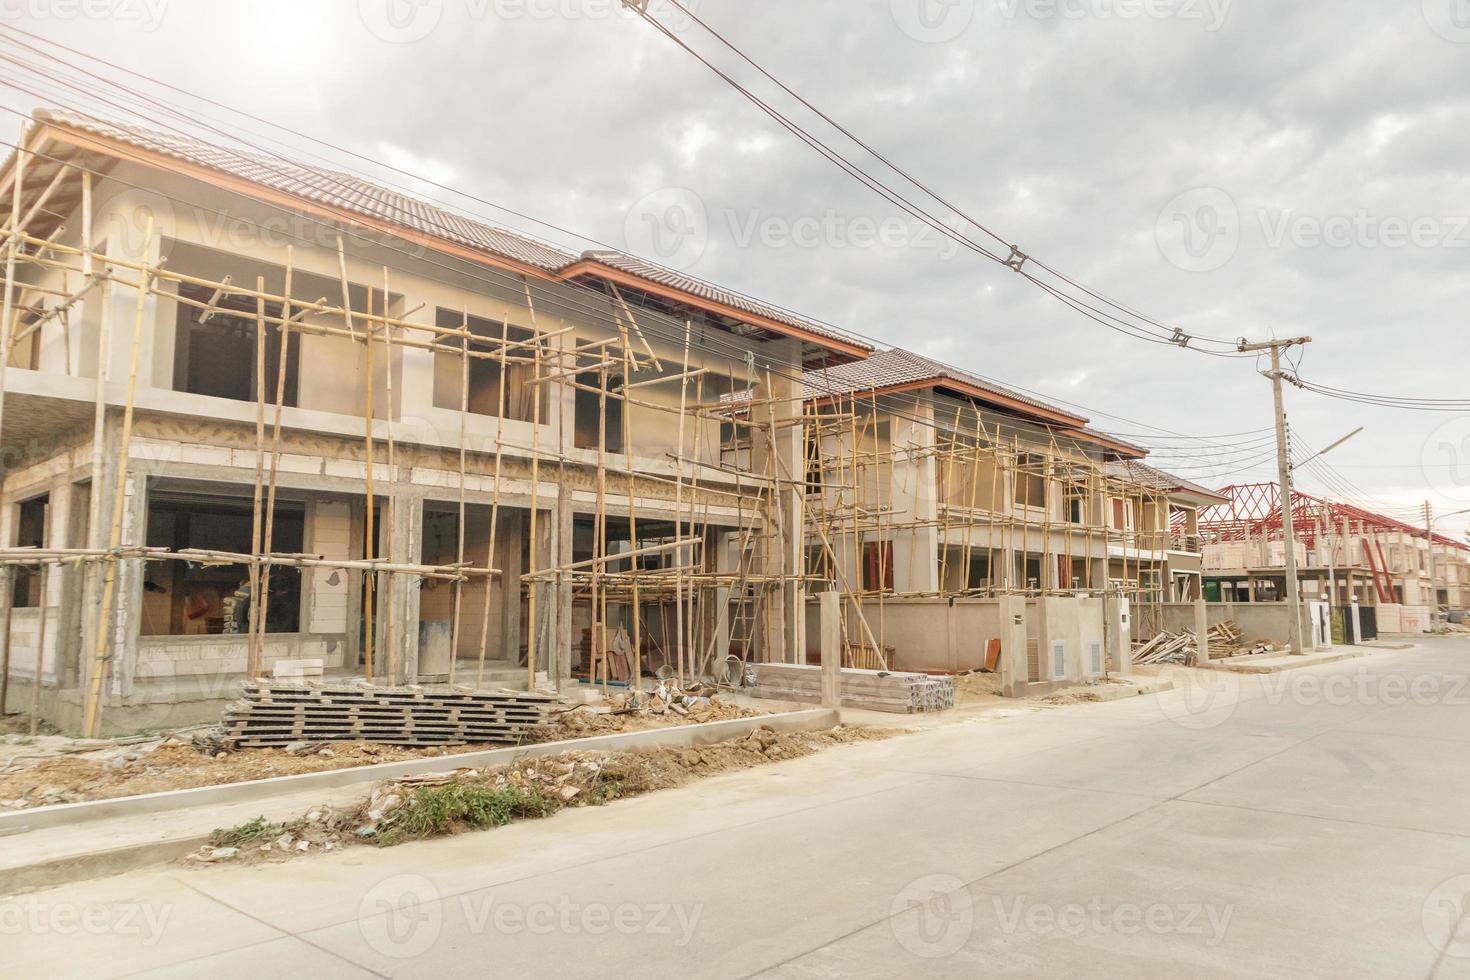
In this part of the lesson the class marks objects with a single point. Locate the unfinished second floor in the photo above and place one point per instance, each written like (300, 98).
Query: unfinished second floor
(212, 283)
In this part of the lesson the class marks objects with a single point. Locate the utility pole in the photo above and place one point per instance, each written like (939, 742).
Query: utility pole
(1429, 558)
(1283, 470)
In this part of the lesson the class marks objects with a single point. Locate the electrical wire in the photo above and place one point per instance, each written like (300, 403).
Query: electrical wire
(737, 351)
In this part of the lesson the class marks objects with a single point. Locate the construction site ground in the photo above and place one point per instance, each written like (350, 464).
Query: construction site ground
(50, 769)
(1216, 836)
(121, 843)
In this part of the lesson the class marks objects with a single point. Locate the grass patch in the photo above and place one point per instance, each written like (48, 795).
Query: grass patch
(248, 833)
(437, 810)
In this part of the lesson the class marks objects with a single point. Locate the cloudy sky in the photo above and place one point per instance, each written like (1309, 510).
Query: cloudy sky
(1232, 167)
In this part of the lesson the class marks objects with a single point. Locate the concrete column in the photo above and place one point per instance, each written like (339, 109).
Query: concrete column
(831, 650)
(1013, 673)
(780, 453)
(402, 593)
(511, 531)
(1202, 629)
(561, 551)
(914, 492)
(125, 221)
(1118, 644)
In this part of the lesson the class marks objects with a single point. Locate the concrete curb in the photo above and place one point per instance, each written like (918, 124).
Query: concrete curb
(1296, 663)
(66, 814)
(99, 864)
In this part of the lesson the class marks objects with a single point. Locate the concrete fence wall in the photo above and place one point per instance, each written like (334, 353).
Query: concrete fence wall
(937, 635)
(1257, 621)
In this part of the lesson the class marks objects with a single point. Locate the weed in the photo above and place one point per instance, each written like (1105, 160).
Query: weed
(437, 810)
(247, 833)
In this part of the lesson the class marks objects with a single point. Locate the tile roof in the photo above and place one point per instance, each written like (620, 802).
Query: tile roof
(323, 186)
(894, 367)
(1136, 472)
(353, 194)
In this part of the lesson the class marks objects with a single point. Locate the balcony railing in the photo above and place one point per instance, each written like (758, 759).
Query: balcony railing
(1180, 541)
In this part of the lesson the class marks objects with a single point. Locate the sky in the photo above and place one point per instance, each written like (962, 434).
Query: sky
(1234, 168)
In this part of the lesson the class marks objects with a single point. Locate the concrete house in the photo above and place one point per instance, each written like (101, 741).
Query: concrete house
(1161, 563)
(953, 511)
(201, 331)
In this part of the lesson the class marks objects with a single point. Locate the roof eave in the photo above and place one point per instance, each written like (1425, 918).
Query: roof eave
(591, 267)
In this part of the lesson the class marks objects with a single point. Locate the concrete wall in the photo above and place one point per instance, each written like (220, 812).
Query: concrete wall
(1257, 621)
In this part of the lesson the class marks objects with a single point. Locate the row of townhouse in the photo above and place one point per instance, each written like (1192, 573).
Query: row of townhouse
(952, 511)
(1346, 557)
(256, 411)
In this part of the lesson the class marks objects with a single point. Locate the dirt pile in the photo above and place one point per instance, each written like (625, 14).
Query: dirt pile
(439, 804)
(976, 686)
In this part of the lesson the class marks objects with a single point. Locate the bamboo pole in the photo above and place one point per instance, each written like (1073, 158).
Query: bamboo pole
(679, 504)
(391, 636)
(253, 654)
(637, 678)
(536, 395)
(370, 545)
(494, 509)
(464, 408)
(7, 598)
(14, 226)
(93, 715)
(283, 336)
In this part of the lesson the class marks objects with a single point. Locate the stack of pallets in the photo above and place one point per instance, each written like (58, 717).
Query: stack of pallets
(273, 714)
(878, 690)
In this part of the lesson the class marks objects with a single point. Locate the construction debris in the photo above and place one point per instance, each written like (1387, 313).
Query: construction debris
(282, 714)
(668, 705)
(1225, 638)
(877, 690)
(439, 804)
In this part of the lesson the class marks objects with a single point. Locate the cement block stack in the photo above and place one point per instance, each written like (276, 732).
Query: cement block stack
(876, 690)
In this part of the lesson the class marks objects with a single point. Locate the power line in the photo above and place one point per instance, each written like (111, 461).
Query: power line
(1016, 260)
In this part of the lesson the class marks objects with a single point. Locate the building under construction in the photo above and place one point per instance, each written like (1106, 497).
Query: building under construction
(1347, 556)
(257, 414)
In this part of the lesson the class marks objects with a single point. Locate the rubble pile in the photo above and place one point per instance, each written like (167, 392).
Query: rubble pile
(449, 802)
(667, 705)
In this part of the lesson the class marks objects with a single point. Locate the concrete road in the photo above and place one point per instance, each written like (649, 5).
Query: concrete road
(1315, 823)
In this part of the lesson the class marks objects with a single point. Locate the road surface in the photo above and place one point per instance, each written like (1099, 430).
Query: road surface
(1305, 824)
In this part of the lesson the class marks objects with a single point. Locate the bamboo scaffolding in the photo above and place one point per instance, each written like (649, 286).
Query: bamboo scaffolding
(854, 516)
